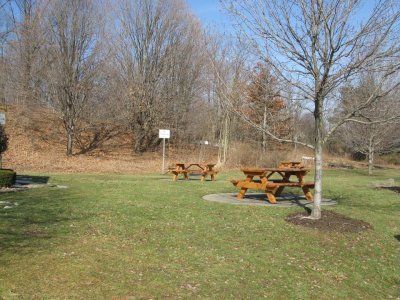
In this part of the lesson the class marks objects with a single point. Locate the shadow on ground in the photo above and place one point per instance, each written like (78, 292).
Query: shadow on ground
(392, 188)
(30, 219)
(259, 199)
(28, 179)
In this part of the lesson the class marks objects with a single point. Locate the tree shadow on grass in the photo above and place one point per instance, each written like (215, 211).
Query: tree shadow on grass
(33, 179)
(397, 237)
(35, 219)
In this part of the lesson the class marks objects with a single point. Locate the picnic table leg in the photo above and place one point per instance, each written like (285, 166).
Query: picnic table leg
(243, 190)
(301, 179)
(212, 173)
(308, 194)
(279, 191)
(175, 177)
(271, 197)
(186, 176)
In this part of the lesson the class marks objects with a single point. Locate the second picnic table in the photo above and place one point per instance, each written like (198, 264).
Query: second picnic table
(274, 187)
(205, 169)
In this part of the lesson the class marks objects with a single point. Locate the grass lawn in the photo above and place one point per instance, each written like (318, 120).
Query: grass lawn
(119, 236)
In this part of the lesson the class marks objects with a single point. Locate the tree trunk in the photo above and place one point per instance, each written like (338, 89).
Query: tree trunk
(139, 140)
(264, 135)
(371, 153)
(69, 126)
(70, 142)
(316, 210)
(224, 139)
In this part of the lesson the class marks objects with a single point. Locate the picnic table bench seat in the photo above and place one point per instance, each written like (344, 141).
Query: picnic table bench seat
(274, 183)
(180, 171)
(176, 172)
(281, 182)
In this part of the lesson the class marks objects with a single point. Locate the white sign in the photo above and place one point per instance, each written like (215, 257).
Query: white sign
(164, 133)
(2, 119)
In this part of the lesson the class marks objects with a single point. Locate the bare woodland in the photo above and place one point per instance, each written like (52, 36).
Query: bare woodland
(314, 47)
(301, 74)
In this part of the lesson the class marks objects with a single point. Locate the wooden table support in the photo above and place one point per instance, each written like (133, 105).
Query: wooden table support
(273, 187)
(180, 169)
(186, 169)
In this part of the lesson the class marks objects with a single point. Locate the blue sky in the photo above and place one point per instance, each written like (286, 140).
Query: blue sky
(210, 13)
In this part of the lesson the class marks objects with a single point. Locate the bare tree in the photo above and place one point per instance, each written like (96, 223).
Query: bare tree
(226, 78)
(73, 49)
(24, 48)
(157, 53)
(374, 129)
(316, 46)
(5, 24)
(4, 33)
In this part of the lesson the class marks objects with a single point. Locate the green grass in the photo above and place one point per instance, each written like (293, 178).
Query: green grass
(118, 236)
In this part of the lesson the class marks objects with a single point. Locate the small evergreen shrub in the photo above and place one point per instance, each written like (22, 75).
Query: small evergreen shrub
(3, 140)
(7, 177)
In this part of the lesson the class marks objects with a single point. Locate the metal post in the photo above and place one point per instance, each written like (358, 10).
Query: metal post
(163, 157)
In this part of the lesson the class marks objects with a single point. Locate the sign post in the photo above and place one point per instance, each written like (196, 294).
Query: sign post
(163, 134)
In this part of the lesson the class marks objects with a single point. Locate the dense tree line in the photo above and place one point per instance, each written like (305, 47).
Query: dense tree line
(141, 65)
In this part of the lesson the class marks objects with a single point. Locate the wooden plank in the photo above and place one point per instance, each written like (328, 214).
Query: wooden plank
(273, 187)
(290, 164)
(294, 184)
(308, 194)
(253, 171)
(279, 190)
(210, 172)
(249, 185)
(259, 174)
(241, 193)
(271, 197)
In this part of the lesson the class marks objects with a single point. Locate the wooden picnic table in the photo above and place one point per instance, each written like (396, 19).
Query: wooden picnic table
(204, 169)
(290, 164)
(274, 187)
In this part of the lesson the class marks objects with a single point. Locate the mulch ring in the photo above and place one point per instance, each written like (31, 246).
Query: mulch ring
(330, 221)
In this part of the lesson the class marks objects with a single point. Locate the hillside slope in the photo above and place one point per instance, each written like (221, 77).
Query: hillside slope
(37, 144)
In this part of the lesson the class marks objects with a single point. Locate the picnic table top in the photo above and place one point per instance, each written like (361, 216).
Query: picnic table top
(194, 164)
(294, 163)
(273, 169)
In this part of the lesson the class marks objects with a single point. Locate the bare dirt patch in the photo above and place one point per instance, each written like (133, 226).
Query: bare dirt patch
(330, 221)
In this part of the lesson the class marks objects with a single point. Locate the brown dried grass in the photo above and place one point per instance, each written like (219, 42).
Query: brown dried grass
(251, 155)
(37, 144)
